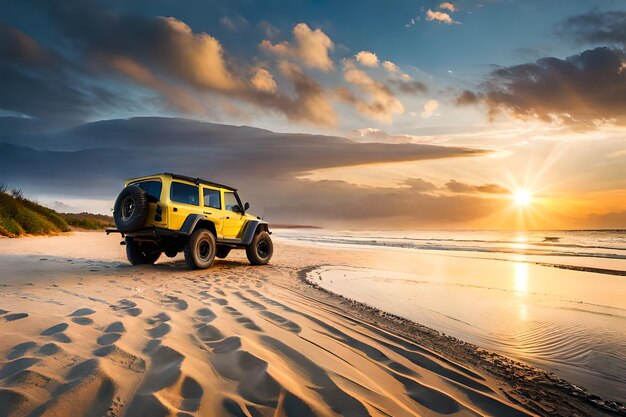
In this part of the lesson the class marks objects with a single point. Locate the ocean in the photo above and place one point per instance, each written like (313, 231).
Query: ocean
(553, 299)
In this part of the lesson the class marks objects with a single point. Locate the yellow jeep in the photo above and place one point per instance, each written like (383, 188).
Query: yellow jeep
(170, 213)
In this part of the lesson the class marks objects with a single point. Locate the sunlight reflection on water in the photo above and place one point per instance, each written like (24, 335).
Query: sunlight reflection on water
(521, 278)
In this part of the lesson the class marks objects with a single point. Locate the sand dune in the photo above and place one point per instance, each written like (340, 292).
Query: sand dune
(101, 338)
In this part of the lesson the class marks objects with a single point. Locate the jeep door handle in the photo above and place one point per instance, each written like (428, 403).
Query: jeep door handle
(228, 217)
(207, 212)
(174, 209)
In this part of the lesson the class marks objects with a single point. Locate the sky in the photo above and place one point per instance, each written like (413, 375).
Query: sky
(407, 114)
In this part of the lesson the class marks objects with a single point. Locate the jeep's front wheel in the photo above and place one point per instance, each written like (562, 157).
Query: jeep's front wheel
(200, 249)
(139, 254)
(260, 251)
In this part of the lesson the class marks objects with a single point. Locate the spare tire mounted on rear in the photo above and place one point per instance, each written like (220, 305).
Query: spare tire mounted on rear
(131, 209)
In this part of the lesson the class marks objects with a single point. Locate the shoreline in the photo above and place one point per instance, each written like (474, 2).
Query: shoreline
(528, 383)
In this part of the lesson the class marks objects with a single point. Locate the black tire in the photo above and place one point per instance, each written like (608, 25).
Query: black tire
(131, 209)
(222, 251)
(200, 249)
(139, 254)
(260, 250)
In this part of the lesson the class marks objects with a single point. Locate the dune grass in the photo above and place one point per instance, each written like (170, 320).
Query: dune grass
(88, 220)
(20, 216)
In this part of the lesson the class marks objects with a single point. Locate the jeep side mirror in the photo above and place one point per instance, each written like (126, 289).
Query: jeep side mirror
(246, 206)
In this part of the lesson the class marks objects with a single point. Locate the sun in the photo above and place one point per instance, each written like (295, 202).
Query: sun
(522, 198)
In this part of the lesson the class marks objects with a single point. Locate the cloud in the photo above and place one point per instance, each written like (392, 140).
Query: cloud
(196, 58)
(39, 83)
(369, 134)
(606, 221)
(312, 103)
(581, 91)
(381, 105)
(270, 31)
(402, 81)
(446, 5)
(596, 27)
(429, 108)
(467, 98)
(264, 165)
(337, 203)
(408, 86)
(234, 24)
(311, 47)
(460, 187)
(179, 98)
(18, 47)
(367, 59)
(164, 44)
(391, 67)
(439, 17)
(263, 80)
(411, 22)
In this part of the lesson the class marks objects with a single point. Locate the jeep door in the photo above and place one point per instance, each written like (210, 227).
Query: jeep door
(184, 200)
(212, 202)
(233, 222)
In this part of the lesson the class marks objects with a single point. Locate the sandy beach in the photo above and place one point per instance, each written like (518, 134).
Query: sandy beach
(85, 334)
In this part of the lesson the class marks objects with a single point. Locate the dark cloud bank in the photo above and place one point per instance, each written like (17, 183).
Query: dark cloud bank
(91, 161)
(581, 91)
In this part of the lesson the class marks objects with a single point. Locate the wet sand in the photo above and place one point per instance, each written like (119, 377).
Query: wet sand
(569, 322)
(85, 334)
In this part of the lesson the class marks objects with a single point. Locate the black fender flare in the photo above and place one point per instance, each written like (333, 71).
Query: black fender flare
(250, 230)
(190, 223)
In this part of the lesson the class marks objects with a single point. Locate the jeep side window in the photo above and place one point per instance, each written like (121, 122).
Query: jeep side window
(229, 200)
(184, 193)
(211, 198)
(152, 188)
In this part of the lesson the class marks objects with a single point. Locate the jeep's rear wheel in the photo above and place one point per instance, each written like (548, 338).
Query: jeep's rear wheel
(260, 251)
(130, 211)
(200, 249)
(222, 251)
(139, 254)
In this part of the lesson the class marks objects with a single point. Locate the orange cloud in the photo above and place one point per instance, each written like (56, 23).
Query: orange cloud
(263, 80)
(439, 16)
(367, 59)
(312, 47)
(382, 105)
(197, 57)
(460, 187)
(312, 105)
(446, 5)
(391, 67)
(429, 108)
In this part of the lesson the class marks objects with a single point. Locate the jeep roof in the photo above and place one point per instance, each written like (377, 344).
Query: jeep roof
(185, 178)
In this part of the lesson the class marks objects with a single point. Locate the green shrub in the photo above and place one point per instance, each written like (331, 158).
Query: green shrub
(88, 220)
(19, 216)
